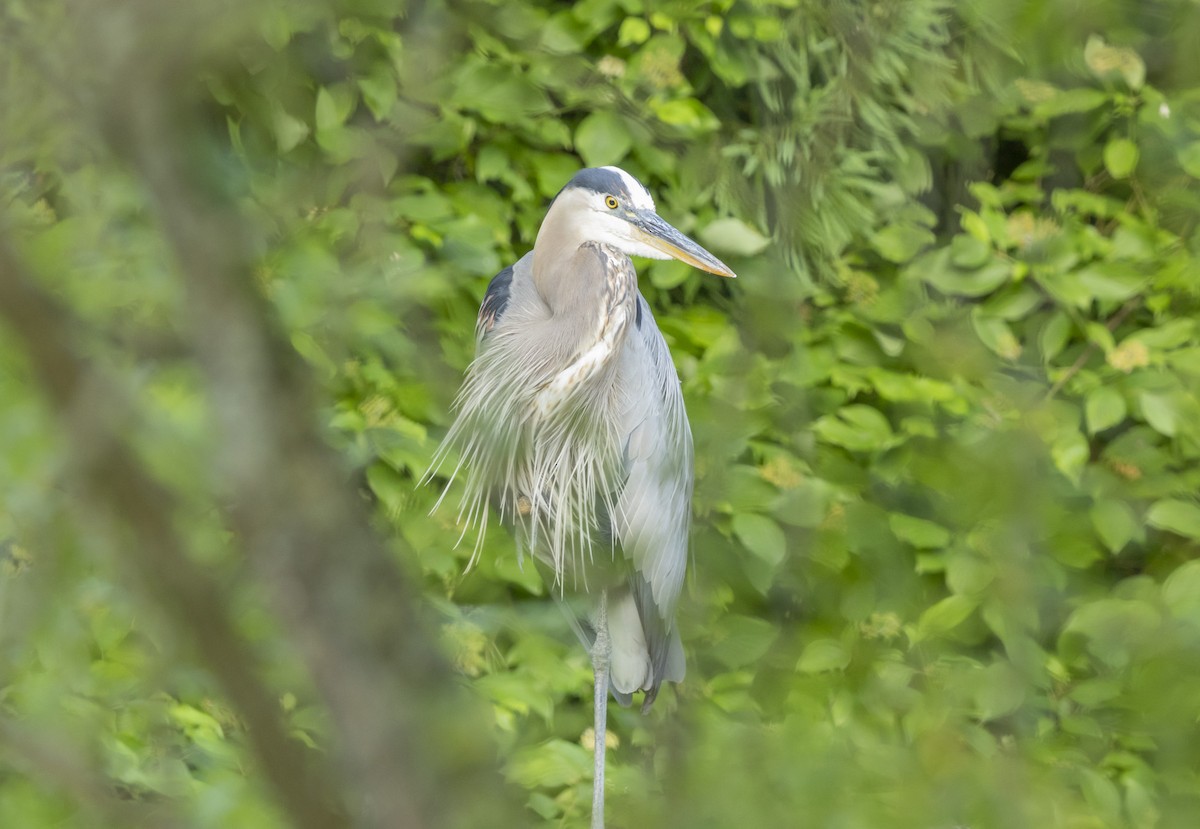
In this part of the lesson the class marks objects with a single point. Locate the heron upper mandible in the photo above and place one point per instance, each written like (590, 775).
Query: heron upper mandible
(570, 421)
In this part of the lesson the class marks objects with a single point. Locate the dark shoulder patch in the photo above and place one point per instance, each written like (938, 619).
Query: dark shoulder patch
(495, 300)
(638, 319)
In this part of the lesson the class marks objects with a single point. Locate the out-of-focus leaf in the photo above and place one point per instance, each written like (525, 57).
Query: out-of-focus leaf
(823, 655)
(1115, 523)
(1189, 159)
(602, 138)
(761, 536)
(552, 764)
(1105, 408)
(973, 283)
(1114, 629)
(901, 242)
(1176, 516)
(918, 531)
(856, 427)
(1105, 60)
(742, 640)
(1068, 102)
(686, 112)
(733, 236)
(1160, 412)
(1181, 591)
(943, 617)
(999, 692)
(289, 130)
(1120, 157)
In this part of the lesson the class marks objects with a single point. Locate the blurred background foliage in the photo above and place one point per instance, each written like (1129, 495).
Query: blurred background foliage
(945, 560)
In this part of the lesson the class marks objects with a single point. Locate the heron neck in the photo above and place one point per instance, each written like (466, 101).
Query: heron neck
(560, 269)
(568, 286)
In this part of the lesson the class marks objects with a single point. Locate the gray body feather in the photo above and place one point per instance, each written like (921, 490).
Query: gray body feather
(572, 423)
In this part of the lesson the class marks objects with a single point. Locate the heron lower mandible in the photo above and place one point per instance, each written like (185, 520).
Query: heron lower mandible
(571, 423)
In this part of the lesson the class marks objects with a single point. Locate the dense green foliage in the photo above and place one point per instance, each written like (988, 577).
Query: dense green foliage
(946, 563)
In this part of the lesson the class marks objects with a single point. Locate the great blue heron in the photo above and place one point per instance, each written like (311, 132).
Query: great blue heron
(571, 423)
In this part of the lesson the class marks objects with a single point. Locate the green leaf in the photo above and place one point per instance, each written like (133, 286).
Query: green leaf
(918, 532)
(968, 252)
(1115, 523)
(761, 536)
(1173, 515)
(1120, 157)
(901, 242)
(1070, 453)
(733, 236)
(289, 130)
(1105, 408)
(1053, 337)
(976, 283)
(857, 427)
(1160, 412)
(944, 616)
(602, 138)
(553, 764)
(334, 105)
(967, 574)
(822, 655)
(1111, 281)
(1113, 629)
(1189, 159)
(1069, 102)
(379, 91)
(996, 334)
(1181, 591)
(1168, 335)
(634, 31)
(686, 112)
(742, 640)
(999, 692)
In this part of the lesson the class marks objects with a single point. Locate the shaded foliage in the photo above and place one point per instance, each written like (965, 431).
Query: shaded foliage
(947, 420)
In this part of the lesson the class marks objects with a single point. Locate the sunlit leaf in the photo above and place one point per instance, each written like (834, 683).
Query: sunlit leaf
(1120, 157)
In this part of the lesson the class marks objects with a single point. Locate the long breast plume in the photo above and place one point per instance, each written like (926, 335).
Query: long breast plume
(539, 438)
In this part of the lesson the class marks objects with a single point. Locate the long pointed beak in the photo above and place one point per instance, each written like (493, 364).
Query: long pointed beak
(658, 234)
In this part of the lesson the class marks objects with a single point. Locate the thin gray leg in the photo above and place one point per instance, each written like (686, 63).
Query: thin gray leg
(600, 656)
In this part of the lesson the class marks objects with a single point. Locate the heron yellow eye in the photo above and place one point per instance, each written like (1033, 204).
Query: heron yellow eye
(610, 202)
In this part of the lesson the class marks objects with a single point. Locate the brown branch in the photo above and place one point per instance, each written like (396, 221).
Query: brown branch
(411, 745)
(113, 484)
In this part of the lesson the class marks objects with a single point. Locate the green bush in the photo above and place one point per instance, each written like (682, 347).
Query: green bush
(947, 422)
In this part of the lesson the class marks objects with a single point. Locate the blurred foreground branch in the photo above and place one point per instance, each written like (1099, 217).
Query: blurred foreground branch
(116, 490)
(402, 738)
(354, 618)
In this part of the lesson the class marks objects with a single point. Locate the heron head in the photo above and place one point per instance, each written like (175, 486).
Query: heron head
(607, 204)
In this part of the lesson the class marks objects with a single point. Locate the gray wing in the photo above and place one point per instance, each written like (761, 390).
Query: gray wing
(653, 510)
